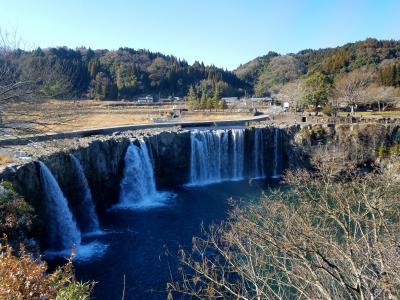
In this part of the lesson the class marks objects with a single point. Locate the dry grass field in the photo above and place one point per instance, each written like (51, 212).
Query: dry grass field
(58, 116)
(6, 158)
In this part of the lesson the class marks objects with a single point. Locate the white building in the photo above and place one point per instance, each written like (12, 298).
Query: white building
(147, 99)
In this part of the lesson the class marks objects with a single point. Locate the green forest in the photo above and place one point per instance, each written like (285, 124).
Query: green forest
(127, 73)
(269, 73)
(122, 74)
(271, 70)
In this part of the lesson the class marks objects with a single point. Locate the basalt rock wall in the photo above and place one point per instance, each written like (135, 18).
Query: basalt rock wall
(102, 158)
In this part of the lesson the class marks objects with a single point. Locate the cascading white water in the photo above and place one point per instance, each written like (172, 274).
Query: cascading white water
(237, 154)
(61, 226)
(209, 156)
(276, 171)
(217, 155)
(138, 188)
(258, 154)
(88, 221)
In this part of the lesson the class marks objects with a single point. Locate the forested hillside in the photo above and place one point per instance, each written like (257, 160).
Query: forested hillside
(270, 73)
(122, 74)
(127, 73)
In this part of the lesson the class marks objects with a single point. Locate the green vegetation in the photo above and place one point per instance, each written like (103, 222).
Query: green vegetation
(316, 90)
(208, 100)
(16, 216)
(389, 151)
(352, 56)
(23, 276)
(127, 73)
(365, 73)
(121, 74)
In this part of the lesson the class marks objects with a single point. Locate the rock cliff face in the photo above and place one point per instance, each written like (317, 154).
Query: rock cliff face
(103, 164)
(362, 144)
(102, 158)
(170, 152)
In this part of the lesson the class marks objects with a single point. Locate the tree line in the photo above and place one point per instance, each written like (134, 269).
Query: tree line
(205, 98)
(121, 74)
(365, 73)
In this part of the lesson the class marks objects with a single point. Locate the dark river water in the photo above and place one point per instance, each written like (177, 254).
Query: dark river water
(137, 241)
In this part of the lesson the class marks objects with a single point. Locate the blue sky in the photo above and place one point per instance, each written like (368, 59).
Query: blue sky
(221, 32)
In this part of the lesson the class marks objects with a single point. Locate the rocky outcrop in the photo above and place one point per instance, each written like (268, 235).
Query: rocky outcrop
(103, 162)
(102, 157)
(170, 152)
(362, 144)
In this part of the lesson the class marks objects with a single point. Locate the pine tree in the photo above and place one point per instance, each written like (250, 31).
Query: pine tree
(210, 103)
(93, 67)
(192, 98)
(216, 97)
(222, 104)
(203, 101)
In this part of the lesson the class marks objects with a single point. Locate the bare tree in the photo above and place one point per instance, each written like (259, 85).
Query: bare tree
(11, 86)
(351, 88)
(291, 92)
(22, 89)
(324, 238)
(383, 96)
(279, 71)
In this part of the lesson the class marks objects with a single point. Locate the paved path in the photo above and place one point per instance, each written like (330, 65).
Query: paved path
(13, 141)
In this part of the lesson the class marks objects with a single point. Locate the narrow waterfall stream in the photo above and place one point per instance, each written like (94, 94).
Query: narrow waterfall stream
(63, 232)
(277, 161)
(258, 170)
(238, 157)
(138, 187)
(86, 216)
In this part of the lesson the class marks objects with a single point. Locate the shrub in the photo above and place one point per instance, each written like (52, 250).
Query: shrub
(327, 237)
(23, 277)
(328, 109)
(16, 216)
(388, 151)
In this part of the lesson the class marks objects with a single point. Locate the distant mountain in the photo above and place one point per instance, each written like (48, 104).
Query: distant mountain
(124, 74)
(128, 73)
(268, 73)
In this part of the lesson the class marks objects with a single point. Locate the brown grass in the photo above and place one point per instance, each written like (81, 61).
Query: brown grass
(57, 116)
(6, 158)
(23, 277)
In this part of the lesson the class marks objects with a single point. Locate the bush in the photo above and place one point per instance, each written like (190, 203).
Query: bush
(16, 216)
(326, 237)
(388, 151)
(328, 109)
(23, 277)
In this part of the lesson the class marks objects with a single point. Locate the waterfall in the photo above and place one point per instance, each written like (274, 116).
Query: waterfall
(238, 154)
(138, 188)
(216, 155)
(277, 163)
(222, 154)
(61, 226)
(258, 154)
(86, 212)
(209, 157)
